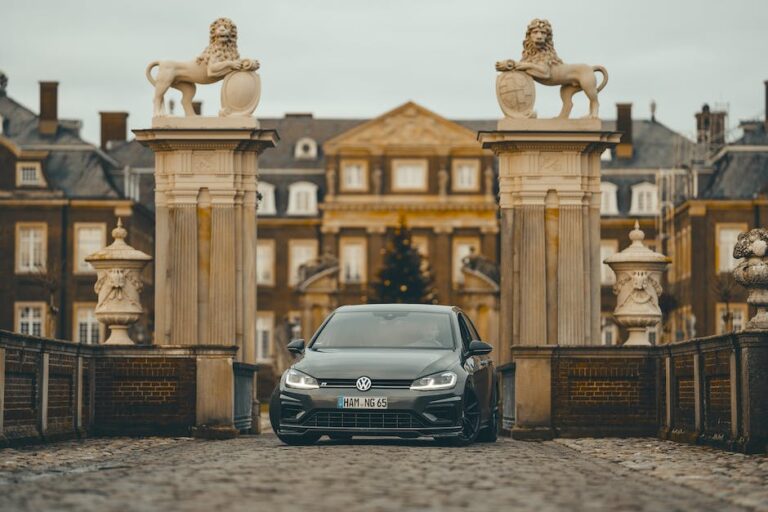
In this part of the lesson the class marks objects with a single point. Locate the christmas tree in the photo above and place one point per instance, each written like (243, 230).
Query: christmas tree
(405, 277)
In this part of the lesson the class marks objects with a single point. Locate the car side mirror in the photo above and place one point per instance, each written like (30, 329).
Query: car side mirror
(296, 346)
(479, 348)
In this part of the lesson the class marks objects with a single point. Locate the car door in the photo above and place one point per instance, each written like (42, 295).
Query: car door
(485, 361)
(476, 366)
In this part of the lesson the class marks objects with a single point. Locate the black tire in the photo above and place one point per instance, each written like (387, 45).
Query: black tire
(274, 419)
(470, 420)
(490, 433)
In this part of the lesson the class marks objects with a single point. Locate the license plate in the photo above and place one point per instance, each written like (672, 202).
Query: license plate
(362, 402)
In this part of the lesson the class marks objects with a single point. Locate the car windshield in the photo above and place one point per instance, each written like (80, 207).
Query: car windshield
(386, 329)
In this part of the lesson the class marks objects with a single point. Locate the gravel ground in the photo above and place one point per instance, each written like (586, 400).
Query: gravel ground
(259, 473)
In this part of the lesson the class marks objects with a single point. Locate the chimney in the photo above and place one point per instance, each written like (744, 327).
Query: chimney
(766, 105)
(710, 126)
(624, 125)
(49, 106)
(197, 106)
(114, 127)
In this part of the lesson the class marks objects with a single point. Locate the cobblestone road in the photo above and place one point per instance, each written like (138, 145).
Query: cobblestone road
(260, 474)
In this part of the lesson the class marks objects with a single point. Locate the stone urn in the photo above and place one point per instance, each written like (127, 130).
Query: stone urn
(638, 286)
(752, 273)
(118, 285)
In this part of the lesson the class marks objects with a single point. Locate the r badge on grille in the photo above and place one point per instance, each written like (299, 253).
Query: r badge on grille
(363, 384)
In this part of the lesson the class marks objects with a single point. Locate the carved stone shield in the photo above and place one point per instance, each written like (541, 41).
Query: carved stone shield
(240, 93)
(516, 94)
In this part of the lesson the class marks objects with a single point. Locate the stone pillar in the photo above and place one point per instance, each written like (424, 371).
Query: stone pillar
(549, 194)
(206, 172)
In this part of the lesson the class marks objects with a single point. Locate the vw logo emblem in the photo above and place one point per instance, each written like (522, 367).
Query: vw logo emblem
(363, 384)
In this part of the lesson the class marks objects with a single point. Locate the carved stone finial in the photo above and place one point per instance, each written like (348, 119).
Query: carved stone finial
(3, 83)
(118, 285)
(638, 286)
(241, 90)
(540, 62)
(752, 273)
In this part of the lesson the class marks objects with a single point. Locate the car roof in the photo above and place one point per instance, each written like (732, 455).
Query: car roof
(400, 307)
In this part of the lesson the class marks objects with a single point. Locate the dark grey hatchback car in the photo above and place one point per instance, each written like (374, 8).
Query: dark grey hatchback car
(389, 370)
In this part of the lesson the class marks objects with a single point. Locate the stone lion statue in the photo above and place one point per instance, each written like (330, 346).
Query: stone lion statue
(218, 60)
(541, 62)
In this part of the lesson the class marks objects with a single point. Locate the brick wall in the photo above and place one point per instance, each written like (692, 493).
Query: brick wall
(20, 415)
(684, 413)
(604, 395)
(717, 392)
(62, 370)
(141, 395)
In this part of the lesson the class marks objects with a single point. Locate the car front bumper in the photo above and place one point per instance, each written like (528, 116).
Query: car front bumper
(408, 413)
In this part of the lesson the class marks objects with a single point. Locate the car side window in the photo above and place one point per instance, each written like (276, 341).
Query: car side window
(466, 337)
(472, 331)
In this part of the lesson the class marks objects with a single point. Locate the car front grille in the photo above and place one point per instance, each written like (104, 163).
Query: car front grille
(375, 383)
(363, 419)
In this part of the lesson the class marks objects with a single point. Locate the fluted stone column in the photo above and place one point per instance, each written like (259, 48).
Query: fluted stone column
(206, 172)
(549, 194)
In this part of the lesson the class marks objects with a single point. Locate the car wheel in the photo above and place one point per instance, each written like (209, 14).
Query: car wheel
(490, 433)
(274, 419)
(470, 420)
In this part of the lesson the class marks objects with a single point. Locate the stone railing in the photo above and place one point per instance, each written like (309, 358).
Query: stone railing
(710, 390)
(53, 389)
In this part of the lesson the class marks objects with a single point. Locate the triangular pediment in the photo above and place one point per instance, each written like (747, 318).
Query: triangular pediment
(409, 125)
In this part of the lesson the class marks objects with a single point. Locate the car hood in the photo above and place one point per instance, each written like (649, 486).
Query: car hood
(376, 364)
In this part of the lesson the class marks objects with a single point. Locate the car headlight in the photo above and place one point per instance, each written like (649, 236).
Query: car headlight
(298, 380)
(444, 380)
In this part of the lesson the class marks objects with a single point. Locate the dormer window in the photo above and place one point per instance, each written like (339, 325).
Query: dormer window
(302, 198)
(644, 199)
(306, 149)
(267, 202)
(29, 174)
(608, 203)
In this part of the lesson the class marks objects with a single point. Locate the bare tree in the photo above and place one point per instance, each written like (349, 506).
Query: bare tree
(49, 279)
(725, 288)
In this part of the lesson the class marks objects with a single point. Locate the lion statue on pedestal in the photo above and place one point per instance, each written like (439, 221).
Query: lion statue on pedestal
(218, 60)
(541, 62)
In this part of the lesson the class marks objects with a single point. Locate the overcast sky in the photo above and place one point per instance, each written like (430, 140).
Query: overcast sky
(359, 58)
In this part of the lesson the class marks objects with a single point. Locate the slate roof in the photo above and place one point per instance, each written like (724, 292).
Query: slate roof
(655, 146)
(741, 174)
(74, 167)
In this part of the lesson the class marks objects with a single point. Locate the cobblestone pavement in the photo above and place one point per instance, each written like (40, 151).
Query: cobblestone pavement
(258, 473)
(734, 477)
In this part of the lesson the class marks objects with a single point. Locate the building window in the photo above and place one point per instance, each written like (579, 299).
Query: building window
(265, 262)
(644, 199)
(608, 203)
(302, 198)
(89, 238)
(29, 174)
(609, 331)
(30, 318)
(353, 260)
(409, 175)
(306, 149)
(354, 175)
(264, 328)
(731, 317)
(466, 175)
(31, 247)
(86, 329)
(267, 201)
(462, 247)
(607, 248)
(299, 253)
(726, 236)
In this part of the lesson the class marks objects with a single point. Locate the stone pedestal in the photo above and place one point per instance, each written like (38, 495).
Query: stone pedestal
(549, 188)
(206, 172)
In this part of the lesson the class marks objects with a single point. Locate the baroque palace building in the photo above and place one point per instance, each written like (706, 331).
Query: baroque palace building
(332, 192)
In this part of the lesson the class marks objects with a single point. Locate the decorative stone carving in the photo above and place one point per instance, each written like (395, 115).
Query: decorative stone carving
(489, 180)
(330, 181)
(638, 276)
(118, 285)
(541, 63)
(442, 182)
(752, 273)
(377, 181)
(220, 60)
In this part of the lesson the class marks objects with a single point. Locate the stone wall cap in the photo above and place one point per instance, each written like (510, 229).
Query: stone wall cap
(205, 122)
(554, 125)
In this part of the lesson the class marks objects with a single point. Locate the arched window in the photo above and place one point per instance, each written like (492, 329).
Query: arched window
(267, 203)
(306, 149)
(644, 199)
(302, 198)
(608, 204)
